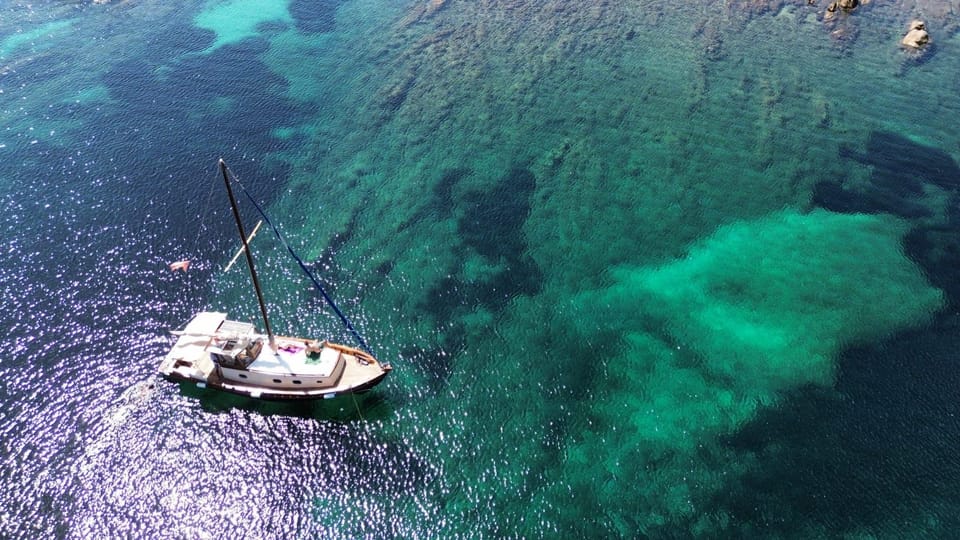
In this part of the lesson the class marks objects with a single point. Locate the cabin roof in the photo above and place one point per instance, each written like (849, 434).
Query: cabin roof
(206, 322)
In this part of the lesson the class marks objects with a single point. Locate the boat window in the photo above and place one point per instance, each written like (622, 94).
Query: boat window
(297, 382)
(276, 381)
(242, 375)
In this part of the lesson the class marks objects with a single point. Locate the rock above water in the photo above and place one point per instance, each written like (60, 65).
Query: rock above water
(917, 37)
(837, 6)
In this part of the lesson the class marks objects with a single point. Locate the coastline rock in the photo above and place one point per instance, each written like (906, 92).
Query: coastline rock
(837, 6)
(917, 37)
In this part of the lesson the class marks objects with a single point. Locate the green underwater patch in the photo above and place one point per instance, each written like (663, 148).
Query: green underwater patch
(771, 302)
(758, 308)
(40, 38)
(235, 20)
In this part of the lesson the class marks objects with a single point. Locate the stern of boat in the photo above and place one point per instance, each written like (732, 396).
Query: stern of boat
(188, 359)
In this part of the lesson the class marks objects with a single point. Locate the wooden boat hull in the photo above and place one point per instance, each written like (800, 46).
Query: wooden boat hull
(279, 395)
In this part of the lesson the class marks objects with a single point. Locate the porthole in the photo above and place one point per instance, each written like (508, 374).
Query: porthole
(297, 382)
(242, 375)
(278, 381)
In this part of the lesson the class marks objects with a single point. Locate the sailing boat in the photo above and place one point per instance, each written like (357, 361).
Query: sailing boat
(233, 356)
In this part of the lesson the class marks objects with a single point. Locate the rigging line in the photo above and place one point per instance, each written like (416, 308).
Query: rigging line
(357, 406)
(303, 266)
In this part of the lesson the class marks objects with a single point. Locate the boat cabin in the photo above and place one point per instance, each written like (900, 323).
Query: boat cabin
(235, 345)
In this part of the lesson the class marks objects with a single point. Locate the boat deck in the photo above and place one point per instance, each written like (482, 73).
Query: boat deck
(189, 358)
(292, 357)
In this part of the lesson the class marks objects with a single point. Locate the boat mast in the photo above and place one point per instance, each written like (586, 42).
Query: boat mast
(246, 249)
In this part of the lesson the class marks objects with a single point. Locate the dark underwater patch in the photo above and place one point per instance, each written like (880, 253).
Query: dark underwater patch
(900, 169)
(28, 72)
(898, 157)
(441, 204)
(491, 225)
(879, 449)
(493, 220)
(384, 268)
(325, 267)
(937, 250)
(167, 116)
(314, 16)
(442, 200)
(835, 197)
(438, 361)
(396, 95)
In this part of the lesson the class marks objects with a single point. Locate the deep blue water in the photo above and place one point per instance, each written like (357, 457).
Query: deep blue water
(471, 212)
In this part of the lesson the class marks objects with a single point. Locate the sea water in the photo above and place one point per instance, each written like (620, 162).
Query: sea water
(641, 269)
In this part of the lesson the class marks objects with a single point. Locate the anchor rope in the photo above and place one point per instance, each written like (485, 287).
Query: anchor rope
(303, 266)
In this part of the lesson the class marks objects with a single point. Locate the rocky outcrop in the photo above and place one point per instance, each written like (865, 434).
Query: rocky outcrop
(917, 37)
(838, 6)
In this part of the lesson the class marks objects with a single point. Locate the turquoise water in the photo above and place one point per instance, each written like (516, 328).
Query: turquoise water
(642, 270)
